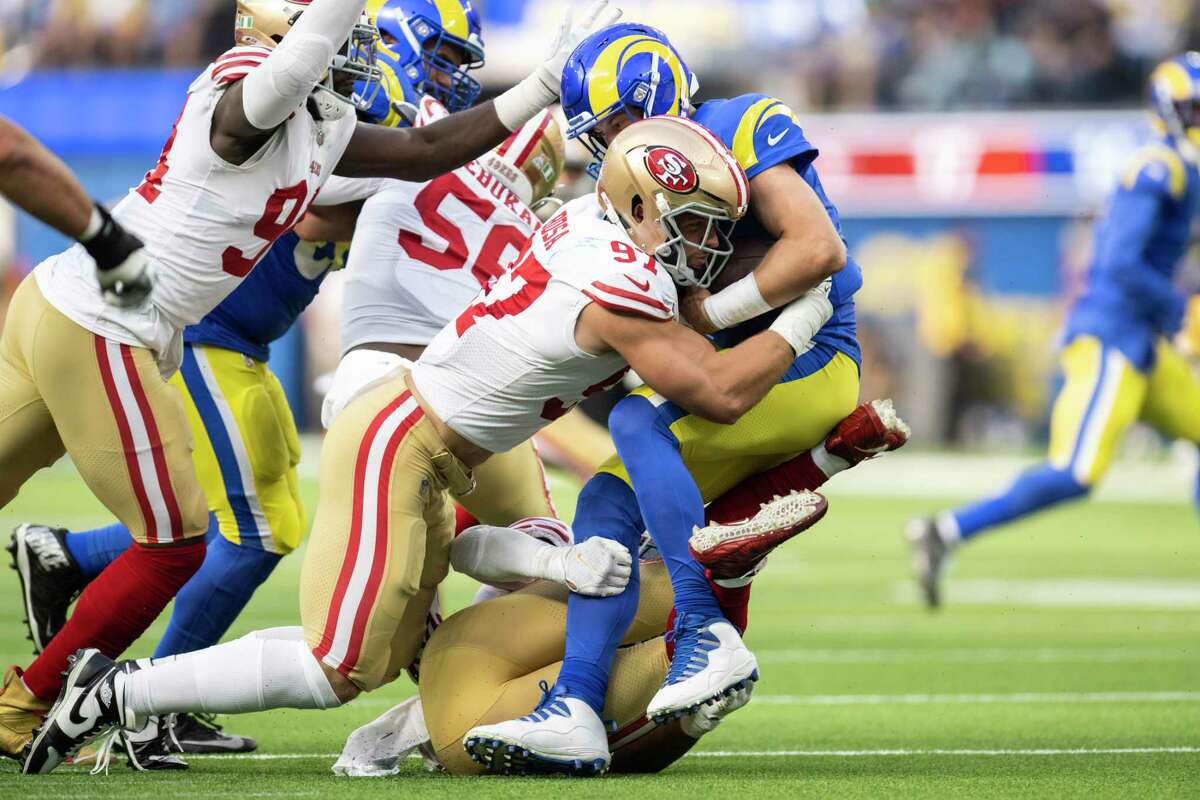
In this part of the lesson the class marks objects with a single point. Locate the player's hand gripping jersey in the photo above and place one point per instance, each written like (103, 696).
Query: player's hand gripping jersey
(422, 251)
(233, 214)
(509, 364)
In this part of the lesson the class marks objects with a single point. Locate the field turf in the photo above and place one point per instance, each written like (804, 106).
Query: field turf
(1067, 664)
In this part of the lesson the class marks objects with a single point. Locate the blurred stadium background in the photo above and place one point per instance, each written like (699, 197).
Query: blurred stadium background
(968, 144)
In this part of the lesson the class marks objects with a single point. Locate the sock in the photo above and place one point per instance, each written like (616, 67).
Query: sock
(1039, 488)
(253, 673)
(596, 625)
(212, 599)
(116, 608)
(667, 495)
(742, 501)
(95, 549)
(463, 519)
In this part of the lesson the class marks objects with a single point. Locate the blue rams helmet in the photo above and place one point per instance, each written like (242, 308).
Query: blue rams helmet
(626, 68)
(1175, 101)
(412, 33)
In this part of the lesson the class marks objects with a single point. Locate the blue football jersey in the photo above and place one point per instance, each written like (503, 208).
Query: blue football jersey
(762, 132)
(270, 299)
(1130, 299)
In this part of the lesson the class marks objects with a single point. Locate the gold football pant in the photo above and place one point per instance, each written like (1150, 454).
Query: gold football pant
(380, 542)
(485, 663)
(64, 389)
(510, 486)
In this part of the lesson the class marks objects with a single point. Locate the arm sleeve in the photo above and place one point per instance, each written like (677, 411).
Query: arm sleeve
(338, 190)
(271, 93)
(1121, 243)
(495, 555)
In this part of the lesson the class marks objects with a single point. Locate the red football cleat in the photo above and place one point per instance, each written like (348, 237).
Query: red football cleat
(732, 550)
(871, 429)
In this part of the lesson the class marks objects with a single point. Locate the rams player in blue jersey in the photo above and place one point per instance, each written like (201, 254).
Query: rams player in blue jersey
(246, 443)
(1118, 362)
(671, 463)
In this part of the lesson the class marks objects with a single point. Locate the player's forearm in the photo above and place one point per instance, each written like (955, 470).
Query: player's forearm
(281, 85)
(38, 182)
(742, 376)
(498, 555)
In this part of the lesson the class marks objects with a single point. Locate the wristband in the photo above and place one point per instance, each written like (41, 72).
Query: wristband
(522, 102)
(108, 243)
(802, 318)
(736, 303)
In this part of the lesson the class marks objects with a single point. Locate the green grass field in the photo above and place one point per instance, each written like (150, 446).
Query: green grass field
(1067, 664)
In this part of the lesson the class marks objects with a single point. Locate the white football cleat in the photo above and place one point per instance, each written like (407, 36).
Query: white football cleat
(563, 736)
(710, 661)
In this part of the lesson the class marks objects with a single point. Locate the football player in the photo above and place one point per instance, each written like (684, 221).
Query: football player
(421, 253)
(1117, 360)
(262, 130)
(585, 302)
(247, 444)
(59, 201)
(670, 463)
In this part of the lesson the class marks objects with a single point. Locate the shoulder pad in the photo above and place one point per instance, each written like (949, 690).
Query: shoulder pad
(1157, 165)
(766, 132)
(236, 64)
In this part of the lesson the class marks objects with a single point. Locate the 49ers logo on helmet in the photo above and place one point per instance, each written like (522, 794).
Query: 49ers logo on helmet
(672, 170)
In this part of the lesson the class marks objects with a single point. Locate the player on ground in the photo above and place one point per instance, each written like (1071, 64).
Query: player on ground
(263, 128)
(39, 183)
(247, 444)
(670, 463)
(1117, 360)
(583, 304)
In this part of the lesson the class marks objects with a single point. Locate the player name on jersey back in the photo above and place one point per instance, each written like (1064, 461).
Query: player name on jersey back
(509, 364)
(205, 222)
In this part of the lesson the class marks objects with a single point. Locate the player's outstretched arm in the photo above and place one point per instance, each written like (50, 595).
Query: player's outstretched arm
(683, 366)
(38, 182)
(807, 249)
(420, 154)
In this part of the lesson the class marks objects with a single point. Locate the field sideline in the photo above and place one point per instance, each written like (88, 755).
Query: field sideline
(1067, 664)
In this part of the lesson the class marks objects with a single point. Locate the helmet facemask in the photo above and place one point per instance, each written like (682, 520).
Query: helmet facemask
(463, 89)
(354, 78)
(673, 253)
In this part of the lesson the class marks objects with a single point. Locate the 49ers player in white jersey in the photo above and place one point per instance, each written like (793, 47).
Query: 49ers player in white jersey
(584, 302)
(261, 131)
(421, 252)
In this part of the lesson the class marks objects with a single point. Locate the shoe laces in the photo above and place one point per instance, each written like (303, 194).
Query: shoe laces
(208, 721)
(46, 547)
(693, 642)
(105, 744)
(552, 702)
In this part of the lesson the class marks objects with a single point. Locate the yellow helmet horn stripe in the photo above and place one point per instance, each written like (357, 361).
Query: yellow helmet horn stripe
(454, 18)
(602, 77)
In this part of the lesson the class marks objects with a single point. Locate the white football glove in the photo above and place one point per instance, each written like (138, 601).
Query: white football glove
(541, 88)
(709, 715)
(129, 284)
(597, 568)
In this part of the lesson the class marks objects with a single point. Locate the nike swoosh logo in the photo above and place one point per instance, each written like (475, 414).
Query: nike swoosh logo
(645, 287)
(774, 140)
(74, 717)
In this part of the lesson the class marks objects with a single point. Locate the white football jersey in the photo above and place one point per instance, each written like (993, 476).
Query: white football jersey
(204, 222)
(422, 251)
(509, 364)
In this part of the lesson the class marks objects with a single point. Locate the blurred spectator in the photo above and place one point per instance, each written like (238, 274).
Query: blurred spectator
(900, 54)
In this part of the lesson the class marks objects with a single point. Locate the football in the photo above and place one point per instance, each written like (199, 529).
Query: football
(750, 244)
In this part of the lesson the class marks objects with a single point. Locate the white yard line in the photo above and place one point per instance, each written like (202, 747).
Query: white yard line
(969, 699)
(1063, 751)
(980, 655)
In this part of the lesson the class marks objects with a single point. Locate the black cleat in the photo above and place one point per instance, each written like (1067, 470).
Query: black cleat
(50, 579)
(87, 706)
(929, 556)
(198, 733)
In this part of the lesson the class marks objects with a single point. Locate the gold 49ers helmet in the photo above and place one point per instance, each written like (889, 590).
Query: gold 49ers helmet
(530, 161)
(264, 23)
(673, 167)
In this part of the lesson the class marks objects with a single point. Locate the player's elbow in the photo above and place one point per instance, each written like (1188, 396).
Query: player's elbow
(727, 406)
(14, 148)
(830, 256)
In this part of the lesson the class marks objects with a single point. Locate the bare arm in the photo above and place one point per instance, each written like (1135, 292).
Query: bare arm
(808, 248)
(421, 154)
(39, 183)
(683, 366)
